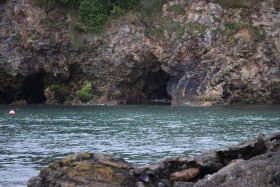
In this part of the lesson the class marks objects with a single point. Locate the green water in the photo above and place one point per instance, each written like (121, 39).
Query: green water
(37, 135)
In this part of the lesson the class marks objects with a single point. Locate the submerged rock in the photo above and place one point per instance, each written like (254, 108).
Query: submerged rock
(253, 163)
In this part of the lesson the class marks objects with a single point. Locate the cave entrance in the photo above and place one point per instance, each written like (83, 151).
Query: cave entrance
(155, 88)
(7, 96)
(33, 89)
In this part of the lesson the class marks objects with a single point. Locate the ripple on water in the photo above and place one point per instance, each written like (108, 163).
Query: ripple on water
(37, 135)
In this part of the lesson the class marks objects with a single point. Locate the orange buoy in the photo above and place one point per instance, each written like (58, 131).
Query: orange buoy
(12, 112)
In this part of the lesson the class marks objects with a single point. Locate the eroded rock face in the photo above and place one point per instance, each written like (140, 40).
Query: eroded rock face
(31, 53)
(213, 55)
(222, 57)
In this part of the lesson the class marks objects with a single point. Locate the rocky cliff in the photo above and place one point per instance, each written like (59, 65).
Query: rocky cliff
(197, 52)
(254, 163)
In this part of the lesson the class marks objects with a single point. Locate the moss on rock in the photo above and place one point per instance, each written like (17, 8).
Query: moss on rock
(89, 169)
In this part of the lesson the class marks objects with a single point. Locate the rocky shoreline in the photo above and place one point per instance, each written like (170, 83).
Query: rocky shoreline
(254, 163)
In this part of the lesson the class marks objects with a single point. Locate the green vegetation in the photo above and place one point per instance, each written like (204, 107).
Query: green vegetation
(216, 31)
(234, 3)
(91, 16)
(235, 40)
(94, 13)
(60, 91)
(150, 11)
(51, 24)
(257, 35)
(150, 8)
(157, 32)
(191, 28)
(86, 93)
(66, 161)
(234, 27)
(75, 41)
(215, 18)
(85, 155)
(180, 32)
(178, 9)
(173, 26)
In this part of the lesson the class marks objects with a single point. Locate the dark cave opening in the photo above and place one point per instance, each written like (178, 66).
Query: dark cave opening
(7, 96)
(155, 87)
(33, 89)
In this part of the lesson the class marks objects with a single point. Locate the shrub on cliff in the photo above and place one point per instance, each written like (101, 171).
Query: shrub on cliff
(51, 3)
(86, 93)
(178, 9)
(95, 13)
(60, 91)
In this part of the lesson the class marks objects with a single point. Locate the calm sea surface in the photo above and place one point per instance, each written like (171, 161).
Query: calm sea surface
(37, 135)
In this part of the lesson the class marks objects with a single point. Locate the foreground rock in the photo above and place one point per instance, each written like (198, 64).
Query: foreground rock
(262, 170)
(253, 163)
(85, 169)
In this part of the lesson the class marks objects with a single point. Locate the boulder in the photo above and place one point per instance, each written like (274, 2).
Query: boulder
(160, 172)
(262, 170)
(85, 169)
(183, 184)
(209, 161)
(185, 175)
(245, 150)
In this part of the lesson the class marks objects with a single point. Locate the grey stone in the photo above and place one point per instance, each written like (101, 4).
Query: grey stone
(35, 182)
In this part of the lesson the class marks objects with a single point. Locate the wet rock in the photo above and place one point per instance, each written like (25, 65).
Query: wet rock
(245, 150)
(165, 168)
(35, 182)
(258, 171)
(248, 163)
(209, 161)
(139, 184)
(275, 136)
(165, 182)
(185, 175)
(86, 169)
(144, 177)
(160, 184)
(182, 184)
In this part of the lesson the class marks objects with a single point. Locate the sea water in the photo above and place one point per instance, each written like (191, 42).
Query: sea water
(141, 134)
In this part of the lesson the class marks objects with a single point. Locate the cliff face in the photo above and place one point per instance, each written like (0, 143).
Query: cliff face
(209, 54)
